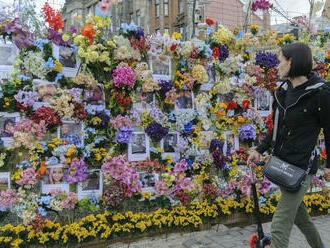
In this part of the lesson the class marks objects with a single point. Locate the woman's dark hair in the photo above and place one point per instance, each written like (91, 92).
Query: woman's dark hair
(7, 122)
(301, 59)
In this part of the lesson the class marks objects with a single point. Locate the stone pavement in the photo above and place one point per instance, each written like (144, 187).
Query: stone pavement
(222, 237)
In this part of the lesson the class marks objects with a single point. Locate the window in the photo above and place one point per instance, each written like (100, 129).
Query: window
(89, 10)
(157, 8)
(166, 30)
(165, 7)
(138, 18)
(131, 17)
(180, 6)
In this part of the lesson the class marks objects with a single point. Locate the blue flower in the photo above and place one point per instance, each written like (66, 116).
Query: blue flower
(58, 77)
(327, 30)
(132, 26)
(44, 146)
(239, 36)
(209, 30)
(42, 211)
(23, 164)
(124, 27)
(188, 128)
(49, 64)
(40, 43)
(262, 201)
(93, 199)
(171, 116)
(24, 78)
(189, 163)
(53, 160)
(107, 112)
(45, 200)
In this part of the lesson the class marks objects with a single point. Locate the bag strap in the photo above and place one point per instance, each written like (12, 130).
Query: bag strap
(311, 159)
(277, 113)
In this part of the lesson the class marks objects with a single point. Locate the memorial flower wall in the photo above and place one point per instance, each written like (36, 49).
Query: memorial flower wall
(133, 122)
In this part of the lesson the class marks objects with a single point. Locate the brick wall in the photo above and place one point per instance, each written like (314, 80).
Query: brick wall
(230, 13)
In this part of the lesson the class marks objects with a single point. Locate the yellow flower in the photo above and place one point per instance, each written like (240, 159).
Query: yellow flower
(58, 66)
(176, 35)
(199, 73)
(146, 195)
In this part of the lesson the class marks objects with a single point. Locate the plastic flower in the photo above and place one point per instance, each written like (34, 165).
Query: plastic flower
(247, 131)
(88, 32)
(123, 76)
(78, 171)
(267, 60)
(199, 73)
(124, 135)
(156, 131)
(223, 36)
(209, 22)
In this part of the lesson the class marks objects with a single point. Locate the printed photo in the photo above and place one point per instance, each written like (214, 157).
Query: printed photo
(55, 179)
(169, 142)
(8, 53)
(264, 103)
(4, 180)
(7, 125)
(185, 100)
(144, 100)
(92, 185)
(206, 86)
(231, 143)
(147, 180)
(138, 148)
(161, 68)
(139, 143)
(71, 132)
(67, 57)
(205, 139)
(45, 89)
(95, 96)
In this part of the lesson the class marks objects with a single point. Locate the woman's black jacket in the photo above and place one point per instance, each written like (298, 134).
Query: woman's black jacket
(300, 119)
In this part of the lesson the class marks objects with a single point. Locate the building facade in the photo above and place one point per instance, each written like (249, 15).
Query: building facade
(232, 13)
(126, 11)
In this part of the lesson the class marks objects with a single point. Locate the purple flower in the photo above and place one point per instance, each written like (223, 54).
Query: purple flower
(124, 135)
(56, 37)
(77, 172)
(156, 131)
(261, 4)
(26, 98)
(216, 145)
(139, 33)
(165, 86)
(267, 60)
(104, 117)
(17, 32)
(224, 53)
(76, 94)
(219, 159)
(247, 131)
(73, 30)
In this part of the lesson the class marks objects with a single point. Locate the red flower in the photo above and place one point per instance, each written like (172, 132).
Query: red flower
(269, 123)
(54, 19)
(324, 153)
(173, 47)
(231, 105)
(209, 21)
(88, 32)
(246, 104)
(216, 53)
(48, 115)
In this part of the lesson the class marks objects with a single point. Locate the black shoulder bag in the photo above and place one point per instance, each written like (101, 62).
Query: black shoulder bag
(285, 175)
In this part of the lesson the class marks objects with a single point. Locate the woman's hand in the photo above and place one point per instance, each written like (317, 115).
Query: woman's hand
(254, 156)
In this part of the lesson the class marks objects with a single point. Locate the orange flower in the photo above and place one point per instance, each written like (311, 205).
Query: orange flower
(88, 32)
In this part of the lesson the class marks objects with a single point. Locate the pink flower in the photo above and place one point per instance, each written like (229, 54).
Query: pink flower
(29, 126)
(121, 121)
(28, 176)
(184, 184)
(123, 76)
(162, 188)
(119, 170)
(7, 198)
(264, 186)
(71, 201)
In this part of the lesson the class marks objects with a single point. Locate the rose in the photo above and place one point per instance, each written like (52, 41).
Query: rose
(209, 22)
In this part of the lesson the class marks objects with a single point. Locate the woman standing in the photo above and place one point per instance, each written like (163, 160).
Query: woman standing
(303, 102)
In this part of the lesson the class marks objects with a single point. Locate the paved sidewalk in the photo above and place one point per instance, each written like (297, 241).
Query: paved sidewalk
(222, 237)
